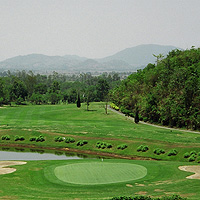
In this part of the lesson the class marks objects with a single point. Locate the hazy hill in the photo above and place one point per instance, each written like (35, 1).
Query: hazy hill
(129, 59)
(140, 55)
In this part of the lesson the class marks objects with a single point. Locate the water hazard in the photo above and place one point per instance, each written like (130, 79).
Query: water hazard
(12, 153)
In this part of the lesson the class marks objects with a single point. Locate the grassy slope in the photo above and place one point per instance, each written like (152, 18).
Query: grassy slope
(67, 120)
(36, 180)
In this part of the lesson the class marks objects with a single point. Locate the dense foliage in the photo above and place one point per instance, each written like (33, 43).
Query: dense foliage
(166, 93)
(53, 89)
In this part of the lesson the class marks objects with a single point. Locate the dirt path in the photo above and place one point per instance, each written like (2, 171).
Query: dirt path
(192, 168)
(5, 169)
(141, 122)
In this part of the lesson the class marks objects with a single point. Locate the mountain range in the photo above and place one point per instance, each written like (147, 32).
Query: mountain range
(127, 60)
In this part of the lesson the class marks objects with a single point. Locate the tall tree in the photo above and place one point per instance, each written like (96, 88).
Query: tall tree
(78, 102)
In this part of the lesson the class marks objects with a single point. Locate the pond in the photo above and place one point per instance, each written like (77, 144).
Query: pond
(11, 153)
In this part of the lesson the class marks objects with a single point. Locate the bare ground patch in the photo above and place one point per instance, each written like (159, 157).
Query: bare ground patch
(192, 168)
(141, 193)
(129, 185)
(5, 169)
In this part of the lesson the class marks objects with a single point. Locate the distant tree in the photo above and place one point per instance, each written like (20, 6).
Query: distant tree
(78, 102)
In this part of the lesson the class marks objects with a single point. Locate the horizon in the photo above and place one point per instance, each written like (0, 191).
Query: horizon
(88, 57)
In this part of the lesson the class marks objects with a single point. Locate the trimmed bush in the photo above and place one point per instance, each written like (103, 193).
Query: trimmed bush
(32, 139)
(58, 139)
(37, 139)
(122, 146)
(69, 140)
(40, 139)
(193, 153)
(103, 145)
(143, 148)
(172, 152)
(159, 151)
(5, 137)
(187, 155)
(198, 159)
(191, 158)
(81, 142)
(19, 138)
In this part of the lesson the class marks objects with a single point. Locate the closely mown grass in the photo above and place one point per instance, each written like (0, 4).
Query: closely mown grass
(36, 180)
(51, 121)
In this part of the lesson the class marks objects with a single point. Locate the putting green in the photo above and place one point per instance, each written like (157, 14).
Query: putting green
(93, 173)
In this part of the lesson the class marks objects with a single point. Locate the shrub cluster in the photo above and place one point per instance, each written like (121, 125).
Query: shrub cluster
(172, 152)
(58, 139)
(5, 137)
(159, 151)
(81, 142)
(143, 148)
(112, 105)
(37, 139)
(103, 145)
(122, 146)
(69, 140)
(19, 138)
(174, 197)
(192, 156)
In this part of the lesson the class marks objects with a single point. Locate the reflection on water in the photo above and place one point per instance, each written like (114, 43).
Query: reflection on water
(18, 153)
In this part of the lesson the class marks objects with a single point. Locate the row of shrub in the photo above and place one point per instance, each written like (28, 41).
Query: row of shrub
(22, 138)
(192, 156)
(67, 140)
(40, 138)
(174, 197)
(157, 151)
(70, 140)
(103, 145)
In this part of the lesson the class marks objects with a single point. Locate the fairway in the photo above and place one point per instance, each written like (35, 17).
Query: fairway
(93, 173)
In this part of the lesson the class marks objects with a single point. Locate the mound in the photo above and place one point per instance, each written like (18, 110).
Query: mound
(93, 173)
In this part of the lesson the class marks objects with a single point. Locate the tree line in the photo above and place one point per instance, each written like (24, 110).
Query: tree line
(23, 87)
(167, 92)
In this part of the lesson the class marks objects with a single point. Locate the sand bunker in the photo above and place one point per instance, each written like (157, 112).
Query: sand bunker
(4, 169)
(192, 168)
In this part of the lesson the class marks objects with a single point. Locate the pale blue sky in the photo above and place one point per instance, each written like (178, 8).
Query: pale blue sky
(95, 28)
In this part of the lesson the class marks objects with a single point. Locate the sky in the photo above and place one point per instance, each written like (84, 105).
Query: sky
(95, 28)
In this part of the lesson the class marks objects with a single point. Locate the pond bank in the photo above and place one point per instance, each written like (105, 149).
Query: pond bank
(77, 151)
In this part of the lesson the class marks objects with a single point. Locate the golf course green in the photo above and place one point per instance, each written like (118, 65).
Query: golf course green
(99, 173)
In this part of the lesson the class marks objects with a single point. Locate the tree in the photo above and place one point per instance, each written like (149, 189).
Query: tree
(78, 102)
(18, 90)
(102, 89)
(159, 57)
(136, 116)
